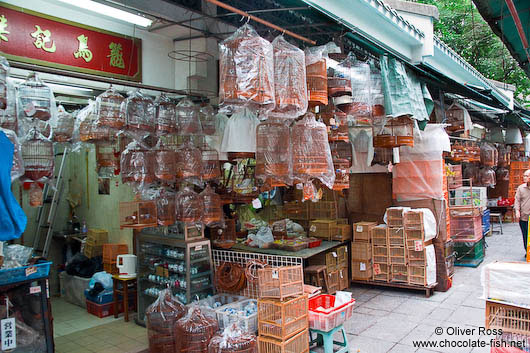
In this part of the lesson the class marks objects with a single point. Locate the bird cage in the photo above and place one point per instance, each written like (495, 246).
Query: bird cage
(108, 109)
(487, 177)
(38, 157)
(456, 116)
(393, 132)
(89, 129)
(188, 119)
(488, 155)
(189, 162)
(166, 115)
(502, 174)
(342, 150)
(165, 208)
(238, 180)
(208, 120)
(342, 174)
(317, 82)
(8, 120)
(137, 214)
(359, 75)
(246, 73)
(64, 126)
(139, 111)
(137, 165)
(311, 154)
(213, 211)
(504, 156)
(165, 163)
(273, 143)
(233, 340)
(211, 168)
(194, 331)
(34, 99)
(290, 86)
(189, 206)
(107, 154)
(357, 113)
(4, 71)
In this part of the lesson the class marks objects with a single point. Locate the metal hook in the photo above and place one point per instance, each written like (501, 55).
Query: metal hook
(248, 20)
(283, 32)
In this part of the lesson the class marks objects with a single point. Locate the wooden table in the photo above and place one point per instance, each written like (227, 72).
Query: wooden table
(304, 253)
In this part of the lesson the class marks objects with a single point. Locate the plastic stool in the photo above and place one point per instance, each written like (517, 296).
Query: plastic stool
(498, 216)
(326, 339)
(317, 275)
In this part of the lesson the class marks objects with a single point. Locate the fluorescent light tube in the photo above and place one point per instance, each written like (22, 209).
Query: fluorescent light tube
(110, 11)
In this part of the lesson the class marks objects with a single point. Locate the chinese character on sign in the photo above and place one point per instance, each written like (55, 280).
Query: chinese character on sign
(83, 51)
(42, 39)
(116, 56)
(9, 334)
(3, 27)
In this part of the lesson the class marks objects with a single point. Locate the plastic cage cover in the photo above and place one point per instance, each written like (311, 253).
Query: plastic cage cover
(195, 330)
(358, 73)
(108, 109)
(506, 282)
(290, 87)
(17, 169)
(233, 339)
(63, 125)
(4, 72)
(188, 119)
(139, 112)
(189, 206)
(240, 132)
(246, 72)
(273, 146)
(166, 115)
(35, 100)
(311, 154)
(213, 208)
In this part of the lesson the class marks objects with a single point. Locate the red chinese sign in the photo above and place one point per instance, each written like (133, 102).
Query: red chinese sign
(36, 38)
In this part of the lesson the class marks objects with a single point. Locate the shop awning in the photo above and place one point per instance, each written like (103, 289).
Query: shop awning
(508, 27)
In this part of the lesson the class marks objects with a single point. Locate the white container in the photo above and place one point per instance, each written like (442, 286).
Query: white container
(230, 313)
(126, 265)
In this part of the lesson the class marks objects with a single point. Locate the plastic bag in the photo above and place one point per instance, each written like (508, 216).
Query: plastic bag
(16, 255)
(194, 331)
(35, 195)
(161, 317)
(208, 119)
(139, 111)
(87, 126)
(311, 154)
(8, 115)
(488, 155)
(240, 132)
(38, 157)
(102, 277)
(487, 177)
(108, 109)
(213, 211)
(165, 163)
(35, 99)
(4, 72)
(262, 238)
(137, 165)
(233, 339)
(246, 72)
(17, 169)
(189, 162)
(189, 206)
(273, 147)
(189, 122)
(63, 126)
(215, 141)
(290, 86)
(166, 115)
(165, 207)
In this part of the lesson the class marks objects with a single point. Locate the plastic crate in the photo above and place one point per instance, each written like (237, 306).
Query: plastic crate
(282, 320)
(24, 273)
(314, 243)
(280, 282)
(102, 310)
(234, 312)
(111, 252)
(299, 343)
(469, 250)
(324, 316)
(508, 318)
(466, 227)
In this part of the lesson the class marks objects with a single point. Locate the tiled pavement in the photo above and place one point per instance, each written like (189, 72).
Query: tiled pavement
(384, 319)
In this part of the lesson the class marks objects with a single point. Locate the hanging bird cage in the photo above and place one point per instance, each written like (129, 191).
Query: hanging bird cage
(64, 126)
(4, 72)
(189, 122)
(37, 153)
(290, 86)
(487, 177)
(208, 120)
(165, 208)
(166, 164)
(107, 154)
(317, 82)
(213, 211)
(342, 150)
(211, 169)
(395, 132)
(189, 162)
(34, 99)
(137, 165)
(8, 120)
(310, 150)
(189, 206)
(238, 180)
(273, 143)
(139, 111)
(488, 155)
(166, 115)
(246, 71)
(342, 174)
(137, 214)
(108, 109)
(504, 156)
(90, 130)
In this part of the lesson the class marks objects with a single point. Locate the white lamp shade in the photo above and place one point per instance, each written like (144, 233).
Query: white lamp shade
(513, 136)
(527, 143)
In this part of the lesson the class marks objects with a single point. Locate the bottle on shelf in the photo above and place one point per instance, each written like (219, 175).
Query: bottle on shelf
(84, 228)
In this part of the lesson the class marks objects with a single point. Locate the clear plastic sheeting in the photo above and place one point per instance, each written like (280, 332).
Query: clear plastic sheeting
(189, 206)
(311, 154)
(376, 90)
(17, 170)
(108, 109)
(233, 340)
(502, 174)
(166, 115)
(273, 157)
(161, 317)
(4, 72)
(246, 72)
(38, 157)
(63, 126)
(290, 86)
(487, 177)
(166, 163)
(8, 115)
(88, 128)
(188, 119)
(208, 120)
(358, 73)
(240, 132)
(489, 155)
(316, 72)
(137, 165)
(189, 162)
(194, 331)
(139, 111)
(506, 282)
(213, 211)
(215, 140)
(35, 100)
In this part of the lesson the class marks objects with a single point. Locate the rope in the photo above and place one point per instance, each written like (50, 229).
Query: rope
(252, 268)
(230, 277)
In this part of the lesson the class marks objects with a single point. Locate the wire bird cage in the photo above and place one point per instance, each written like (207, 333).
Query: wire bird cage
(137, 214)
(194, 332)
(64, 126)
(390, 133)
(189, 206)
(189, 162)
(238, 180)
(165, 164)
(273, 142)
(208, 119)
(91, 131)
(38, 157)
(165, 208)
(8, 120)
(166, 115)
(108, 111)
(342, 174)
(317, 82)
(137, 165)
(139, 111)
(188, 119)
(107, 154)
(34, 99)
(211, 168)
(213, 212)
(239, 342)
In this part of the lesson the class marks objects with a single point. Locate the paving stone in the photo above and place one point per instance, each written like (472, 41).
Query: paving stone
(388, 330)
(360, 344)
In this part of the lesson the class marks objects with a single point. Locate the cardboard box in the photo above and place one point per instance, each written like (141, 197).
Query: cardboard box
(362, 231)
(361, 270)
(361, 251)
